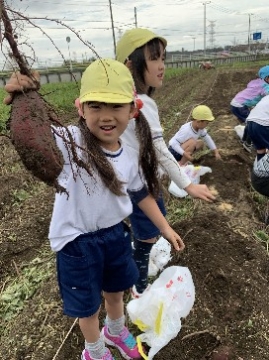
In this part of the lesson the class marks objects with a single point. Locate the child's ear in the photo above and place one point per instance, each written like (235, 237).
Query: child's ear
(81, 109)
(128, 63)
(133, 111)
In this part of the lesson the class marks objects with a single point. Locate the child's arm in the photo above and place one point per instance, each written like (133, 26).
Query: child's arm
(174, 171)
(211, 144)
(149, 206)
(166, 160)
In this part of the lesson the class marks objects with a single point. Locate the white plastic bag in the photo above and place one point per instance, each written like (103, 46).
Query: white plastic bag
(176, 191)
(239, 129)
(152, 270)
(194, 173)
(159, 310)
(159, 256)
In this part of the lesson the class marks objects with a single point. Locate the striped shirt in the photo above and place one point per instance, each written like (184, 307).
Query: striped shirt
(261, 167)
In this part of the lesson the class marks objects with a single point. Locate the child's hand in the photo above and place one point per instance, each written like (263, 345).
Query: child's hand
(19, 83)
(200, 191)
(188, 155)
(217, 155)
(173, 238)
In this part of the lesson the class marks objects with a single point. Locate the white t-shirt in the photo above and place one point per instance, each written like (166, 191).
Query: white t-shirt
(167, 162)
(260, 113)
(89, 205)
(187, 132)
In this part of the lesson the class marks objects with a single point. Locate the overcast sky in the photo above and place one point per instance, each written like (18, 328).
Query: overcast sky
(182, 22)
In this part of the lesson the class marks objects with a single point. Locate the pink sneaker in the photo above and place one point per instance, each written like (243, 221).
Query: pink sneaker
(135, 294)
(125, 343)
(86, 356)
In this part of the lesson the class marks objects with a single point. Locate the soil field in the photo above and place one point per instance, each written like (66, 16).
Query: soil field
(229, 264)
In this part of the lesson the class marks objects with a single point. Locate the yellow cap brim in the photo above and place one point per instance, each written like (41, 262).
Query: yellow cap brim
(108, 98)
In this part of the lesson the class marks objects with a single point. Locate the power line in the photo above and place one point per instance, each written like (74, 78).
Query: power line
(229, 11)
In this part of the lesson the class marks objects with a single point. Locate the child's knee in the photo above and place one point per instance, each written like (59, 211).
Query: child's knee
(189, 145)
(199, 145)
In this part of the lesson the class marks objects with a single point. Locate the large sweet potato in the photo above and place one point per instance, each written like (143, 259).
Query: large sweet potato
(31, 134)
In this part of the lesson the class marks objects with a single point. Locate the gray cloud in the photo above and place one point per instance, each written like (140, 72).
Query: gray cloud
(179, 21)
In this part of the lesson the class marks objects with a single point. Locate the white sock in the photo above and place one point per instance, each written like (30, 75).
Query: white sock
(96, 349)
(115, 327)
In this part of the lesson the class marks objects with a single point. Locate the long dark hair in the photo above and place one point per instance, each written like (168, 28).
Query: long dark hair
(147, 154)
(139, 65)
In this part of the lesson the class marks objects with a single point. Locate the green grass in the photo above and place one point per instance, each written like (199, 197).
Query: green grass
(179, 209)
(245, 65)
(263, 237)
(4, 111)
(61, 95)
(19, 196)
(258, 198)
(15, 292)
(173, 72)
(260, 201)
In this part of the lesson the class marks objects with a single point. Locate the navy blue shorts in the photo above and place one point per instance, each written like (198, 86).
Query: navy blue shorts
(142, 227)
(92, 263)
(176, 155)
(259, 135)
(240, 112)
(261, 185)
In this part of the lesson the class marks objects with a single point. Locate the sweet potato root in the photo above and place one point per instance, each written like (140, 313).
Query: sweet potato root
(31, 134)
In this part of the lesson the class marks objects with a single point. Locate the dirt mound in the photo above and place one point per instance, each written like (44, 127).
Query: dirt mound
(229, 265)
(230, 273)
(229, 268)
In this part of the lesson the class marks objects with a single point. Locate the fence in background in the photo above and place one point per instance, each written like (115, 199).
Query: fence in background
(216, 61)
(56, 77)
(52, 77)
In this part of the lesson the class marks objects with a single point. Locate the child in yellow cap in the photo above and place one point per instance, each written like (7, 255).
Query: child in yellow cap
(187, 140)
(143, 52)
(87, 232)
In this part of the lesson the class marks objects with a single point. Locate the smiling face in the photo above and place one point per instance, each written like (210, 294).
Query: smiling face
(107, 121)
(154, 73)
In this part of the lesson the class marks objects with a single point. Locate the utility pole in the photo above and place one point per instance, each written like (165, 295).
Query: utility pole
(119, 33)
(113, 30)
(68, 39)
(249, 35)
(212, 33)
(135, 16)
(205, 3)
(193, 43)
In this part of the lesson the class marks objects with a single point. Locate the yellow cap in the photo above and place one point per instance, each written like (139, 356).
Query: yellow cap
(108, 81)
(133, 39)
(202, 112)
